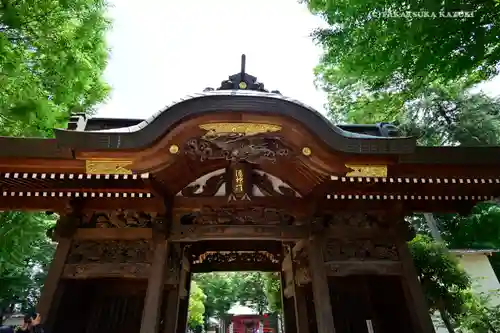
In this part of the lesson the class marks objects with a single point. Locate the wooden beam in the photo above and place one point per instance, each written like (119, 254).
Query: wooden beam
(301, 205)
(294, 206)
(107, 270)
(376, 267)
(192, 233)
(235, 267)
(41, 165)
(53, 278)
(113, 233)
(321, 292)
(156, 282)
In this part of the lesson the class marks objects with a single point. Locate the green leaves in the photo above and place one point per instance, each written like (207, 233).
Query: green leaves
(258, 290)
(374, 42)
(196, 308)
(52, 56)
(442, 279)
(25, 254)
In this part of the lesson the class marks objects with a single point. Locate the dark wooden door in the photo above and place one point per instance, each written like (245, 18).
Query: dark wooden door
(379, 299)
(101, 306)
(350, 304)
(389, 306)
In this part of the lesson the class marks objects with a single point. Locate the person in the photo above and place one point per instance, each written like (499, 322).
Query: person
(31, 324)
(6, 329)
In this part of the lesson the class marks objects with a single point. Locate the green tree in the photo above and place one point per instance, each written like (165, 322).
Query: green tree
(25, 254)
(272, 288)
(363, 44)
(444, 282)
(251, 291)
(220, 291)
(480, 316)
(52, 56)
(196, 309)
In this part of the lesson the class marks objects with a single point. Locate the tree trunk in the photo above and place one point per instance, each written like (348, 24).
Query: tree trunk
(446, 320)
(431, 222)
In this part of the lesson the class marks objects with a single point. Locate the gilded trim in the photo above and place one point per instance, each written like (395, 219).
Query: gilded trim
(242, 128)
(367, 170)
(107, 167)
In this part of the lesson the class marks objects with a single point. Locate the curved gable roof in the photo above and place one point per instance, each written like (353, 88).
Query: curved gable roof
(148, 131)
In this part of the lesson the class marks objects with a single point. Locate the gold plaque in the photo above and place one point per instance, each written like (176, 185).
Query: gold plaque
(107, 167)
(243, 85)
(306, 151)
(367, 170)
(174, 149)
(243, 128)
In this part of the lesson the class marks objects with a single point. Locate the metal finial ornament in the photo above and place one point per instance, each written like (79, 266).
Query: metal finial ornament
(243, 65)
(243, 81)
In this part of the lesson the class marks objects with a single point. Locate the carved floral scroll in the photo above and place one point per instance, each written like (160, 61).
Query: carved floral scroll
(239, 216)
(120, 218)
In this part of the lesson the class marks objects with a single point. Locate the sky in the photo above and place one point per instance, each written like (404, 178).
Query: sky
(163, 50)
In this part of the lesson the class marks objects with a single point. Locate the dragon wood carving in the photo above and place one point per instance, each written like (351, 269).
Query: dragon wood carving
(237, 147)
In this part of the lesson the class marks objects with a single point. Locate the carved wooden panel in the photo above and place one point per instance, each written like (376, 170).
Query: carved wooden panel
(359, 249)
(377, 267)
(107, 270)
(268, 185)
(121, 218)
(87, 252)
(239, 216)
(206, 186)
(302, 272)
(236, 257)
(172, 269)
(237, 147)
(256, 183)
(358, 220)
(91, 259)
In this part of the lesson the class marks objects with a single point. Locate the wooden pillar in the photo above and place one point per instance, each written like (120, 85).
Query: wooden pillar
(299, 298)
(172, 310)
(414, 294)
(319, 281)
(156, 282)
(47, 301)
(301, 310)
(287, 304)
(175, 298)
(183, 305)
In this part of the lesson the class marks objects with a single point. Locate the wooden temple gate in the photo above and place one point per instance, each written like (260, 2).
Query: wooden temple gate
(236, 179)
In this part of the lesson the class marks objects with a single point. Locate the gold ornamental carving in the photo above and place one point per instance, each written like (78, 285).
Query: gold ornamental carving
(107, 167)
(247, 129)
(174, 149)
(367, 170)
(306, 151)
